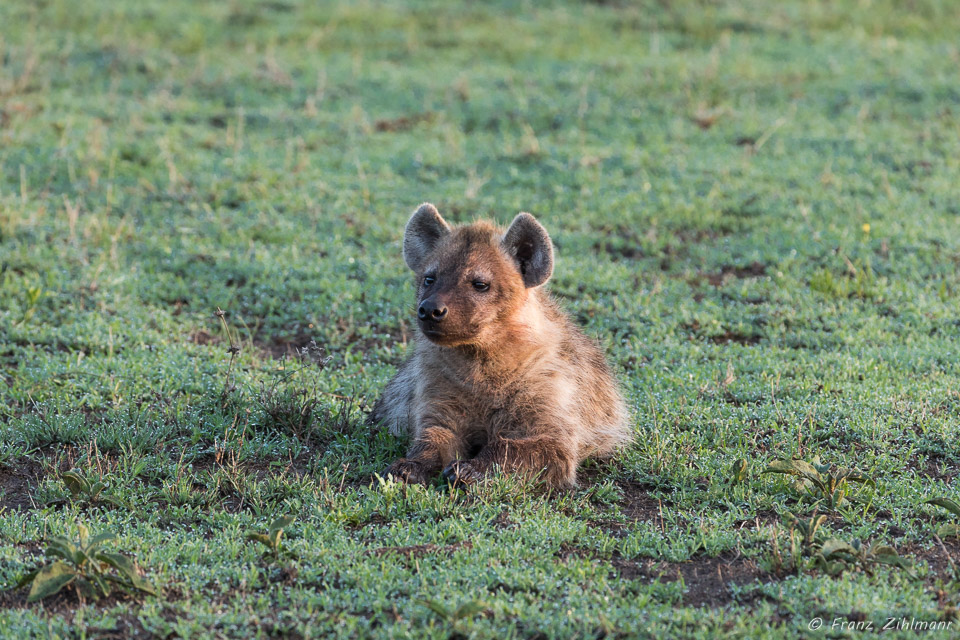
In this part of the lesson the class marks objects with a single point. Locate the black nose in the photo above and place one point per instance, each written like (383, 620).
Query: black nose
(430, 310)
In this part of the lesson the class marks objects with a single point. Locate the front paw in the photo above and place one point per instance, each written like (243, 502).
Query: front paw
(462, 473)
(406, 471)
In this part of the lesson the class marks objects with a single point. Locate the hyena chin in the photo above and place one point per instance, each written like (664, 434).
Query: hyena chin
(499, 377)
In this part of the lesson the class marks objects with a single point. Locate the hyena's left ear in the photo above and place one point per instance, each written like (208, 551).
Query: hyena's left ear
(424, 230)
(529, 244)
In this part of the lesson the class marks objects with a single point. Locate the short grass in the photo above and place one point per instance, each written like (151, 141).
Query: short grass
(756, 208)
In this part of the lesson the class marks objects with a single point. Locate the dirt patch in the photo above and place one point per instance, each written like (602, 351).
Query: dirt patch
(17, 484)
(932, 468)
(420, 550)
(66, 602)
(938, 558)
(61, 603)
(259, 468)
(503, 521)
(403, 123)
(289, 346)
(283, 347)
(375, 520)
(209, 468)
(730, 272)
(622, 250)
(636, 505)
(763, 518)
(701, 236)
(728, 337)
(204, 338)
(708, 580)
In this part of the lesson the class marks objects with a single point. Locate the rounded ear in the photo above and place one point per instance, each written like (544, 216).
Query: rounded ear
(424, 230)
(529, 244)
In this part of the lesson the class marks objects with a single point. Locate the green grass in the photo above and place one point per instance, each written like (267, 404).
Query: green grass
(756, 208)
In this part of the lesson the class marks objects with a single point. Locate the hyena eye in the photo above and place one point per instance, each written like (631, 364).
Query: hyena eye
(428, 280)
(479, 285)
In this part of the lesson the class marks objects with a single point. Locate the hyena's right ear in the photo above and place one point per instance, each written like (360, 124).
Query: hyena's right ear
(529, 244)
(424, 230)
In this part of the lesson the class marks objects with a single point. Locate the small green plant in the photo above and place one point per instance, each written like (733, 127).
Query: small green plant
(833, 556)
(807, 528)
(827, 483)
(271, 539)
(290, 403)
(85, 491)
(836, 556)
(85, 565)
(947, 529)
(454, 615)
(861, 282)
(738, 472)
(802, 537)
(233, 349)
(32, 296)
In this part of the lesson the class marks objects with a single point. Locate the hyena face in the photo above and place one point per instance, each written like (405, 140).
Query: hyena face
(473, 278)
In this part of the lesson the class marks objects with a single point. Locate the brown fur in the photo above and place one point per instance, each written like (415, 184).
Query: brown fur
(504, 378)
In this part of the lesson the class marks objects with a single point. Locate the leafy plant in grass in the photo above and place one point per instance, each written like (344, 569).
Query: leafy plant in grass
(947, 529)
(833, 556)
(454, 615)
(807, 528)
(836, 556)
(85, 491)
(738, 472)
(802, 536)
(85, 565)
(271, 539)
(826, 483)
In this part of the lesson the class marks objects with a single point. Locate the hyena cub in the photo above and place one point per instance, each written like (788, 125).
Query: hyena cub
(500, 376)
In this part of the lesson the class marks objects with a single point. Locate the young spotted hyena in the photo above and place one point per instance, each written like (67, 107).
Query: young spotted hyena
(500, 376)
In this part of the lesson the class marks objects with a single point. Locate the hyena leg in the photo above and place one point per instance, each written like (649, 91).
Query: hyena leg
(434, 448)
(545, 457)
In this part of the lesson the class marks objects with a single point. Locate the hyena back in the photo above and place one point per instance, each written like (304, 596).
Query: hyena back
(499, 375)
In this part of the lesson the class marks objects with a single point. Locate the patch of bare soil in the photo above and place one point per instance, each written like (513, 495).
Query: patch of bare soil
(203, 338)
(503, 521)
(17, 484)
(67, 602)
(933, 467)
(708, 580)
(733, 336)
(283, 347)
(763, 518)
(726, 337)
(636, 505)
(232, 500)
(623, 250)
(64, 602)
(938, 558)
(729, 272)
(289, 346)
(403, 123)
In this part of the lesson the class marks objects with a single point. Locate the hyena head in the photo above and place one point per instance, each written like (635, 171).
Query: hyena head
(473, 279)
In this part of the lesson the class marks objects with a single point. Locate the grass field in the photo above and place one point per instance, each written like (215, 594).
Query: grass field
(755, 206)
